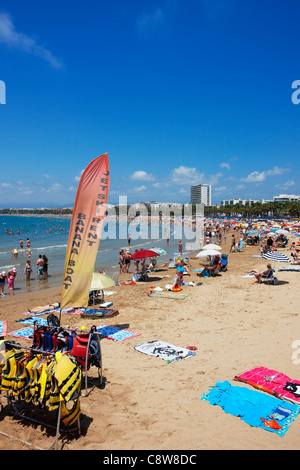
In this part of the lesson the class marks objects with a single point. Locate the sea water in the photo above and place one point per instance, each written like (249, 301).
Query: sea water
(49, 235)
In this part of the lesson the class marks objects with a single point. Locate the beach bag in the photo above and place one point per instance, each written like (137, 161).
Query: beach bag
(275, 281)
(52, 320)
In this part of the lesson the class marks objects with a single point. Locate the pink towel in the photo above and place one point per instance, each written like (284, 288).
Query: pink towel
(273, 382)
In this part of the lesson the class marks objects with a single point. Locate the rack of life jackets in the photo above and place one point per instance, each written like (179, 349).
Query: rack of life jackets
(49, 373)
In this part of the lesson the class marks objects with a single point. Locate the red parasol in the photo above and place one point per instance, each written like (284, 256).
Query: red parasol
(144, 254)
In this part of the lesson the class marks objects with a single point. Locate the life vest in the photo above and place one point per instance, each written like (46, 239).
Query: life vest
(9, 371)
(29, 389)
(68, 376)
(54, 396)
(79, 348)
(70, 414)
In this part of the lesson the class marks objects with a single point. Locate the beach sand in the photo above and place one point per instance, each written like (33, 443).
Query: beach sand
(148, 404)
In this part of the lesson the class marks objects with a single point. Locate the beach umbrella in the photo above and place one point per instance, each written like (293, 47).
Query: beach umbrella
(282, 232)
(101, 281)
(159, 251)
(276, 256)
(211, 246)
(144, 254)
(204, 253)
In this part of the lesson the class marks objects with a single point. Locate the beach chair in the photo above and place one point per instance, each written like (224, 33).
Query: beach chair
(214, 270)
(270, 278)
(96, 297)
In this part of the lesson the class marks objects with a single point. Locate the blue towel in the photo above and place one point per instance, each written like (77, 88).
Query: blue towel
(254, 407)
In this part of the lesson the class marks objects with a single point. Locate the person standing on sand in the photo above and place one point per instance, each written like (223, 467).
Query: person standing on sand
(270, 243)
(180, 247)
(121, 261)
(232, 248)
(2, 283)
(136, 263)
(127, 258)
(40, 267)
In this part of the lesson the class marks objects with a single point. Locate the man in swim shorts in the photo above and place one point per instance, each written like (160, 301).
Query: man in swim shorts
(40, 267)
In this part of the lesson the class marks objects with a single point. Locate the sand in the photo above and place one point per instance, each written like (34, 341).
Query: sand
(148, 404)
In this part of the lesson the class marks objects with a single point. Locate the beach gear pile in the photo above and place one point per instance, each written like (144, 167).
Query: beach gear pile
(49, 372)
(273, 411)
(42, 380)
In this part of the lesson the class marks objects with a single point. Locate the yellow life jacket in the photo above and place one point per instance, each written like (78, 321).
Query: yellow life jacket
(9, 371)
(68, 375)
(70, 414)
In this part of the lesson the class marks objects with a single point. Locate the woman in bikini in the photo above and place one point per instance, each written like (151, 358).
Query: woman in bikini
(28, 270)
(121, 261)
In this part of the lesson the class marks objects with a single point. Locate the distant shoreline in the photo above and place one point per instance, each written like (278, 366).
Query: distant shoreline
(32, 214)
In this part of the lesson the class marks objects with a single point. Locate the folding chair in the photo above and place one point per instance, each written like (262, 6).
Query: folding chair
(270, 278)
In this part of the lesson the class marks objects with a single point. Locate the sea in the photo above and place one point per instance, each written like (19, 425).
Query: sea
(49, 235)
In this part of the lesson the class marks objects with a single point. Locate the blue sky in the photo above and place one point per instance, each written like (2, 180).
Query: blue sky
(176, 92)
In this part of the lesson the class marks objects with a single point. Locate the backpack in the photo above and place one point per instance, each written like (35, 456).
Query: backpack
(52, 320)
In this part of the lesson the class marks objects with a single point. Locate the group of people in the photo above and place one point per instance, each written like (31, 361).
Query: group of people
(10, 276)
(124, 260)
(42, 267)
(15, 251)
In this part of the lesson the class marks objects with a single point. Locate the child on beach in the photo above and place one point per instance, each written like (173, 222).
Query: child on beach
(10, 282)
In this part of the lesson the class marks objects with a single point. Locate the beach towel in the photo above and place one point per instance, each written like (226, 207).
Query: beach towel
(168, 295)
(291, 268)
(3, 328)
(40, 312)
(115, 333)
(93, 312)
(253, 407)
(272, 382)
(166, 351)
(32, 320)
(24, 333)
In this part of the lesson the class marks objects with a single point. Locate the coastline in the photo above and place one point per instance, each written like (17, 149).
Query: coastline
(148, 404)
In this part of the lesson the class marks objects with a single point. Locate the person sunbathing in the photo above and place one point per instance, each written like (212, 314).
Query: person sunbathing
(261, 274)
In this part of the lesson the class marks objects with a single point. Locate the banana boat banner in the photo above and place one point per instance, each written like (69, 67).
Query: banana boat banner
(85, 232)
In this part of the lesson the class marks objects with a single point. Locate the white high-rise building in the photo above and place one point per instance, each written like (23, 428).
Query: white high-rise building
(201, 194)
